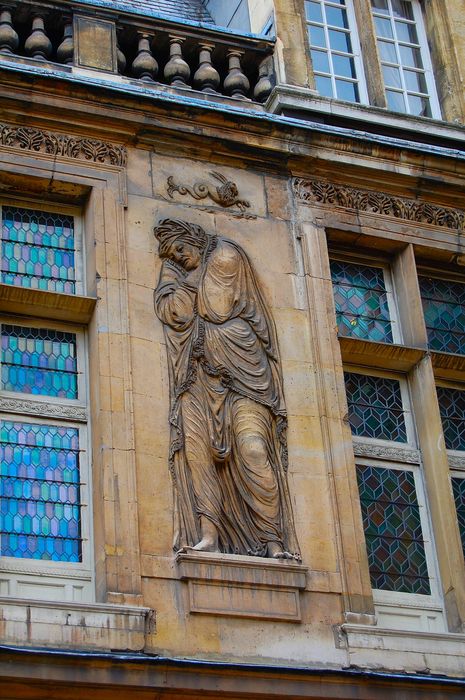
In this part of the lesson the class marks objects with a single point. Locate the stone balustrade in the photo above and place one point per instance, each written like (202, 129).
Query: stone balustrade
(186, 57)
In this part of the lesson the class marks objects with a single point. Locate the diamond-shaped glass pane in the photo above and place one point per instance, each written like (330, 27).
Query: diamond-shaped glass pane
(375, 407)
(361, 301)
(394, 540)
(39, 361)
(458, 486)
(39, 492)
(38, 250)
(444, 310)
(452, 408)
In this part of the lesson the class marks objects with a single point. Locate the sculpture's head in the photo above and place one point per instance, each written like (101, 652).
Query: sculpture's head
(181, 242)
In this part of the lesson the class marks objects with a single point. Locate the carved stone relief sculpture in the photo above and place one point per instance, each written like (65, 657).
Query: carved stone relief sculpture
(226, 194)
(228, 454)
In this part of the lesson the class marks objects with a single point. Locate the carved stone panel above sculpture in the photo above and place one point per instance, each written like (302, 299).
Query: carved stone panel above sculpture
(228, 452)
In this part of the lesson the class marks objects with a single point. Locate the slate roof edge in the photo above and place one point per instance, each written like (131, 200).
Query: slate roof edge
(122, 8)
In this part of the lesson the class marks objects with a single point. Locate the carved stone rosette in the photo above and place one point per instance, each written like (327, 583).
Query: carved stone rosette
(310, 191)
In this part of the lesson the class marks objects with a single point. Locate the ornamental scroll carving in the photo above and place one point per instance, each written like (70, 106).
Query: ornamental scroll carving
(37, 408)
(394, 454)
(228, 450)
(323, 192)
(38, 141)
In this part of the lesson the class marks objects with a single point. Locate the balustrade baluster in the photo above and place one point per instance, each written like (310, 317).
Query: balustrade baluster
(144, 65)
(177, 71)
(264, 85)
(206, 77)
(236, 83)
(8, 37)
(65, 51)
(120, 58)
(38, 45)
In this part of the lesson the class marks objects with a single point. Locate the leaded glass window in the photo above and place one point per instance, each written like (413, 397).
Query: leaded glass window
(39, 492)
(361, 301)
(458, 486)
(452, 409)
(38, 250)
(444, 310)
(334, 49)
(375, 407)
(393, 531)
(404, 56)
(39, 361)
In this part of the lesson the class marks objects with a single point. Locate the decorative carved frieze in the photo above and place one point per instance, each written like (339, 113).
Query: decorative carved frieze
(310, 191)
(456, 462)
(38, 408)
(393, 454)
(38, 141)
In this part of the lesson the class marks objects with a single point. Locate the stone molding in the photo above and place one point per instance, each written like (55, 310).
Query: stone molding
(74, 625)
(38, 408)
(456, 462)
(309, 191)
(395, 454)
(238, 586)
(54, 144)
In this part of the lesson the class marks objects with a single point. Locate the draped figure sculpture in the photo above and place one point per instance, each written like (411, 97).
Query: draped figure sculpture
(228, 453)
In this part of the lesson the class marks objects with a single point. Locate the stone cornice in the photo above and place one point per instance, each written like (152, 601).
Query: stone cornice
(55, 144)
(309, 191)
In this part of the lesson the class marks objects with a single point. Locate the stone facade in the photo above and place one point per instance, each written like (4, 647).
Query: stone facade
(292, 179)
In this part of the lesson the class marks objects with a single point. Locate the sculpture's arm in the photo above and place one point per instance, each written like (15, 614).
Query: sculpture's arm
(175, 299)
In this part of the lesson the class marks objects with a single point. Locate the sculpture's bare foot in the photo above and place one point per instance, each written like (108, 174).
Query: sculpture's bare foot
(275, 551)
(206, 544)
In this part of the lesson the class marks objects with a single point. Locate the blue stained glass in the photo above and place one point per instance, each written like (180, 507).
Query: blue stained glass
(458, 486)
(38, 250)
(393, 534)
(39, 361)
(444, 311)
(40, 492)
(361, 301)
(375, 407)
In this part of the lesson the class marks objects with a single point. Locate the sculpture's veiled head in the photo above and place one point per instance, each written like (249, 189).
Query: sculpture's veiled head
(170, 231)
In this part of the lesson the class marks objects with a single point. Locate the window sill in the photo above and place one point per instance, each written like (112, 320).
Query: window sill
(448, 366)
(74, 625)
(369, 353)
(41, 304)
(408, 650)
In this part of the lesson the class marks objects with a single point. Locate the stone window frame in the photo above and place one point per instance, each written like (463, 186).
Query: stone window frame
(27, 577)
(357, 55)
(424, 609)
(426, 59)
(98, 188)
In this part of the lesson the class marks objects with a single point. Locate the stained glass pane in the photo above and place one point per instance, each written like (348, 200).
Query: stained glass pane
(38, 250)
(394, 540)
(458, 486)
(452, 408)
(39, 361)
(444, 310)
(375, 407)
(39, 492)
(361, 301)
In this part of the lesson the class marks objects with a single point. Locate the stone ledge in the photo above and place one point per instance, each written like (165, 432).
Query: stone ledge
(66, 307)
(74, 625)
(238, 586)
(404, 650)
